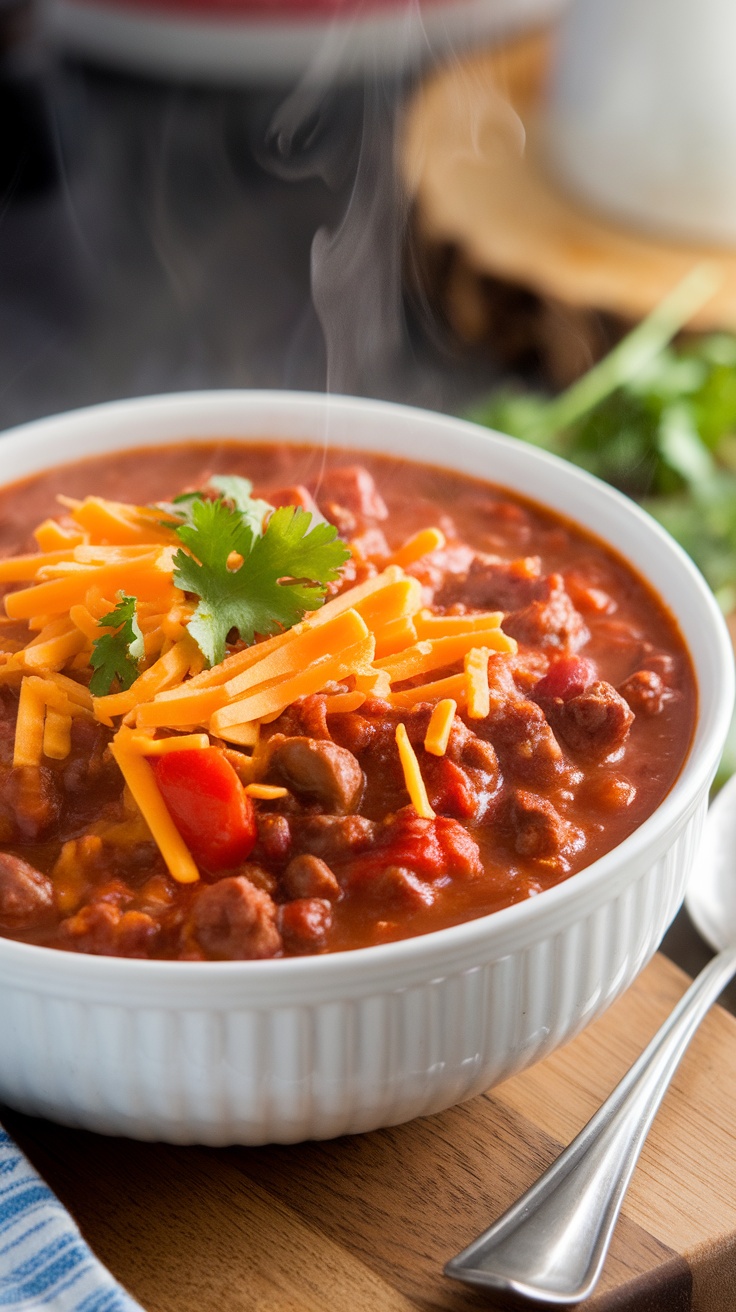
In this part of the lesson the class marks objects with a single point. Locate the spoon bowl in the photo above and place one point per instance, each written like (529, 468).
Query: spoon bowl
(711, 893)
(551, 1244)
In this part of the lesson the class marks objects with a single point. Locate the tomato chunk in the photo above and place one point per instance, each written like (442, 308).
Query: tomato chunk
(208, 805)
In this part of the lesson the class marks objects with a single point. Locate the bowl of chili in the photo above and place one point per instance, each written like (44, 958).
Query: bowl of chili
(323, 854)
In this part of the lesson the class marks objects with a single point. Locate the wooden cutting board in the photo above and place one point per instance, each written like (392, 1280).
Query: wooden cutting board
(365, 1224)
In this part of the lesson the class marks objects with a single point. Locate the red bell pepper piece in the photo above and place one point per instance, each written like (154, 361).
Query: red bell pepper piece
(209, 806)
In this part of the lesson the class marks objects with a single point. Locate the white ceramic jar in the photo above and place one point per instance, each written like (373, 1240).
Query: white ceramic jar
(641, 119)
(278, 1051)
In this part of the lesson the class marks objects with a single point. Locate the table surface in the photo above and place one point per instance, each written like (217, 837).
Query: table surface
(160, 238)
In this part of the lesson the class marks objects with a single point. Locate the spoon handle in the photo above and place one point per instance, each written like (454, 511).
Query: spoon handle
(551, 1244)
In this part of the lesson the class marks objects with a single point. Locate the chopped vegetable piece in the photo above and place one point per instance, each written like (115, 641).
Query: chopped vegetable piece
(115, 655)
(143, 787)
(208, 805)
(267, 592)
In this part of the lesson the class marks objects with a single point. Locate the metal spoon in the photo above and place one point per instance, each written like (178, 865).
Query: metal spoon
(552, 1243)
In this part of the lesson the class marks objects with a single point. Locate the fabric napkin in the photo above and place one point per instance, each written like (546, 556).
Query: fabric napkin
(44, 1262)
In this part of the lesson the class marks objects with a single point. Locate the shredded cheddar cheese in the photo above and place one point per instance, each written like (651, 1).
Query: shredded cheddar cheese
(374, 640)
(140, 779)
(440, 724)
(412, 775)
(420, 544)
(476, 674)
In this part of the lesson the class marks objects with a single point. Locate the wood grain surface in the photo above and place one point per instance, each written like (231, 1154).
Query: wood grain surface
(364, 1224)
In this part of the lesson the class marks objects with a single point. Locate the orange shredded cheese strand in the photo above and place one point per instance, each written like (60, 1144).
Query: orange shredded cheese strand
(167, 670)
(86, 623)
(179, 707)
(242, 735)
(53, 536)
(266, 792)
(76, 692)
(454, 686)
(339, 633)
(29, 727)
(440, 724)
(57, 735)
(476, 675)
(434, 653)
(351, 599)
(267, 701)
(116, 523)
(18, 569)
(393, 602)
(54, 653)
(373, 683)
(51, 629)
(141, 781)
(144, 576)
(148, 746)
(337, 703)
(428, 625)
(395, 636)
(418, 545)
(412, 775)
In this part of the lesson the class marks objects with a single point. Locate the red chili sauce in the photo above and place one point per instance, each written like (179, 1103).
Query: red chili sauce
(588, 729)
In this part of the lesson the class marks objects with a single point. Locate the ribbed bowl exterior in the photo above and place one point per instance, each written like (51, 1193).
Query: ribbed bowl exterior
(306, 1068)
(280, 1051)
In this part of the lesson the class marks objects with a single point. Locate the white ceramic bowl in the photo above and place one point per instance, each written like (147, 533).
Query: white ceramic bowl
(279, 1051)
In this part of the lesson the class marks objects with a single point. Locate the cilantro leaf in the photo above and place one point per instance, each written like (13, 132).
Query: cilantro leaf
(284, 572)
(233, 489)
(237, 492)
(116, 655)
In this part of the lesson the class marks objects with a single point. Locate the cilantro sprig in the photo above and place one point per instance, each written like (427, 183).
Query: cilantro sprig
(250, 579)
(116, 653)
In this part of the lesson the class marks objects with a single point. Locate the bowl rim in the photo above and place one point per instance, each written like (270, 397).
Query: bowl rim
(530, 919)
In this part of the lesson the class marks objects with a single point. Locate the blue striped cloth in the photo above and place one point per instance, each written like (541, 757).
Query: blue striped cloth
(44, 1262)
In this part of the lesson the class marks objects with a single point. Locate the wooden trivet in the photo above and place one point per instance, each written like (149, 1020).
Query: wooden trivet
(365, 1224)
(506, 256)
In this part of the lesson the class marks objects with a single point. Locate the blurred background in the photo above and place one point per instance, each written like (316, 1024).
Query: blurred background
(520, 210)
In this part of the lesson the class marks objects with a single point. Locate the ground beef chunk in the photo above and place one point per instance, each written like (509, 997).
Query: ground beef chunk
(32, 795)
(320, 769)
(551, 621)
(527, 749)
(595, 723)
(351, 488)
(645, 691)
(89, 762)
(234, 921)
(306, 717)
(493, 583)
(334, 838)
(536, 826)
(26, 896)
(103, 929)
(308, 876)
(398, 889)
(305, 924)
